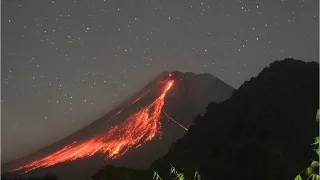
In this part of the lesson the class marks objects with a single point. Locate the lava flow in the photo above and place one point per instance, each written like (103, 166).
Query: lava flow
(138, 128)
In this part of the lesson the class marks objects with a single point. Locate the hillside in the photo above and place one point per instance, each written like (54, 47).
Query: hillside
(188, 97)
(264, 131)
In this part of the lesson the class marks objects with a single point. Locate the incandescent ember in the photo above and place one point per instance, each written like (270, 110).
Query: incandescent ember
(137, 129)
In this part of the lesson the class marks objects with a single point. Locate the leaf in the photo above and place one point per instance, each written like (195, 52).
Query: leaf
(316, 141)
(197, 175)
(318, 115)
(315, 177)
(156, 176)
(172, 170)
(180, 176)
(317, 151)
(298, 177)
(309, 171)
(314, 164)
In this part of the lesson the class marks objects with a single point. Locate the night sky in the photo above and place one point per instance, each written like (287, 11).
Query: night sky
(66, 62)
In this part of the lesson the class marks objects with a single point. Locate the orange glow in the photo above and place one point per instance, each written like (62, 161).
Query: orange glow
(137, 129)
(135, 101)
(139, 98)
(170, 118)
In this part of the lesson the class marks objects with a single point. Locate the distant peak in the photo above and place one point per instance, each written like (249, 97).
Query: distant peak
(171, 72)
(179, 73)
(189, 75)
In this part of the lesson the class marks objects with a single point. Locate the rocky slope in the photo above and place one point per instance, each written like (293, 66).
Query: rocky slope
(188, 97)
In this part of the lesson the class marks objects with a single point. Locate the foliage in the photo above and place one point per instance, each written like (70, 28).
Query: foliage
(269, 119)
(178, 176)
(311, 171)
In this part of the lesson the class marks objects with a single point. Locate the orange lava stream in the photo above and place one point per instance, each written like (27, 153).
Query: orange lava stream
(170, 118)
(135, 101)
(137, 129)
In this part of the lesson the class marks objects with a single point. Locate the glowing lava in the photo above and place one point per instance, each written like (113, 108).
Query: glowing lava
(135, 101)
(170, 118)
(137, 129)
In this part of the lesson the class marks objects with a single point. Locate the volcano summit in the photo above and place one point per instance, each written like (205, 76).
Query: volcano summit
(134, 134)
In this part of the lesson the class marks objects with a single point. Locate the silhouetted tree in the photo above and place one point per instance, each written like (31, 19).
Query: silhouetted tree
(263, 131)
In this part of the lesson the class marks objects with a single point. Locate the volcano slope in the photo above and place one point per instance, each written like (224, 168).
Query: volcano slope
(263, 131)
(134, 134)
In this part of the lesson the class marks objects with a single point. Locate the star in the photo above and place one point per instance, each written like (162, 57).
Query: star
(71, 59)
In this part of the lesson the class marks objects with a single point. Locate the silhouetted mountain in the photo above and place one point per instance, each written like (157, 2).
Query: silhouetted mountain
(188, 97)
(264, 131)
(110, 172)
(45, 177)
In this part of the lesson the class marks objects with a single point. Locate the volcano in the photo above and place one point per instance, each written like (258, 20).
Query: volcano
(139, 131)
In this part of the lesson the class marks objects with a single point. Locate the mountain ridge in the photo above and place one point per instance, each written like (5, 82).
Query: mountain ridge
(263, 131)
(177, 96)
(253, 134)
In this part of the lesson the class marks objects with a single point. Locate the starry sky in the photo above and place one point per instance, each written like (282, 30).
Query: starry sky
(66, 62)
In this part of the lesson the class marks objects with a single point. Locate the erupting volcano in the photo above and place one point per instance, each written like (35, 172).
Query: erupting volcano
(137, 129)
(152, 120)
